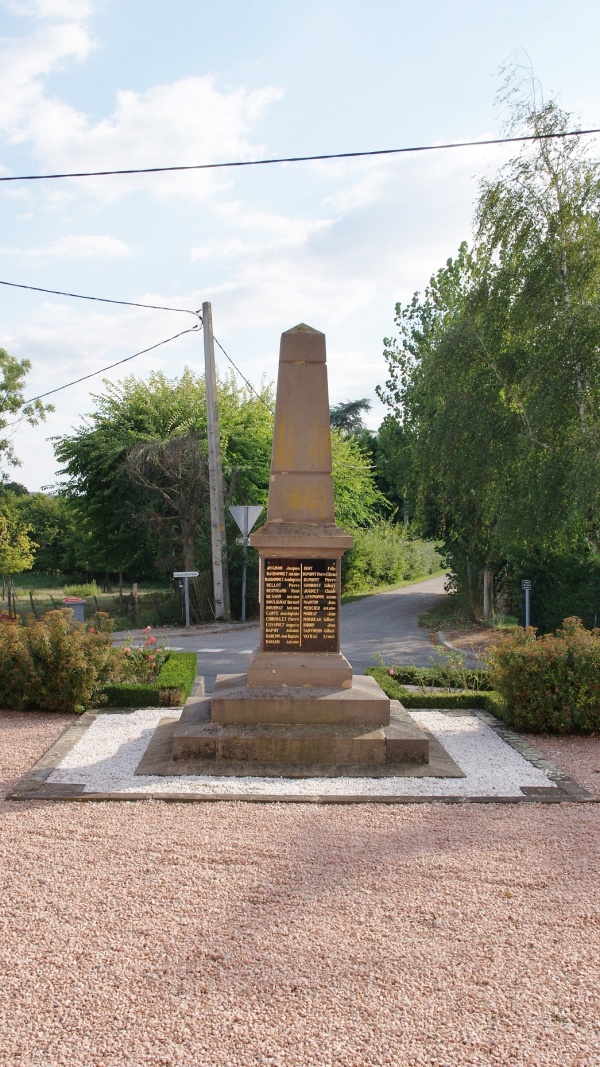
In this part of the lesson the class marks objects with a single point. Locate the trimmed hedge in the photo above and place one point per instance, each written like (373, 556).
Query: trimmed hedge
(551, 684)
(441, 675)
(466, 698)
(172, 687)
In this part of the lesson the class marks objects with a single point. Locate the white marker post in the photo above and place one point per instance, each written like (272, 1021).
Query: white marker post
(246, 516)
(526, 587)
(186, 575)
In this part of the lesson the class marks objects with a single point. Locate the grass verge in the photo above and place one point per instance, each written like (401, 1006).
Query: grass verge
(172, 687)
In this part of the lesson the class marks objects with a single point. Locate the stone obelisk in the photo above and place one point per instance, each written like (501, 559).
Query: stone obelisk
(300, 546)
(298, 711)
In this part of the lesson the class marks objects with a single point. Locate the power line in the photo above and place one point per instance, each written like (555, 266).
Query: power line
(129, 303)
(94, 373)
(100, 299)
(249, 384)
(297, 159)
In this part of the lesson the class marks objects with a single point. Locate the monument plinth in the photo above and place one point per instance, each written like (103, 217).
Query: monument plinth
(298, 710)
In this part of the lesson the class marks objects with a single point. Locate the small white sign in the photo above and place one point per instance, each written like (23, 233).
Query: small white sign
(526, 583)
(186, 574)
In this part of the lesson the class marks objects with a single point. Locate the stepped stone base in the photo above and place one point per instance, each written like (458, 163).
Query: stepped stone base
(267, 728)
(158, 760)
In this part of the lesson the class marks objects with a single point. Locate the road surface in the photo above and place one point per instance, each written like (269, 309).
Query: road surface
(384, 624)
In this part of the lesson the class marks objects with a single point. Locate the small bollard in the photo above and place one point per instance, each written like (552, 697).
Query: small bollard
(77, 604)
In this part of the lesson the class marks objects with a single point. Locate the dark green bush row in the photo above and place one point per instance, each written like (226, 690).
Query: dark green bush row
(410, 699)
(385, 554)
(172, 687)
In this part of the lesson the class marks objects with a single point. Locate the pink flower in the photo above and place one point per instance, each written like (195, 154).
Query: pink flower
(151, 659)
(146, 629)
(126, 651)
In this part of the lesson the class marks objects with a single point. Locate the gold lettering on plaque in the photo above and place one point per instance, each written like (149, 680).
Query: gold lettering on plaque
(301, 605)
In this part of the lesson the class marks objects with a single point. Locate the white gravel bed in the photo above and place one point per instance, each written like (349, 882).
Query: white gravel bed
(105, 758)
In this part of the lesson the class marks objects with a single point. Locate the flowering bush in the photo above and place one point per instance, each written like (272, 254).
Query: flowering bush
(552, 683)
(142, 662)
(54, 663)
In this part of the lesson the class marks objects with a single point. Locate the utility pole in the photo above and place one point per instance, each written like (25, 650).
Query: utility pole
(215, 473)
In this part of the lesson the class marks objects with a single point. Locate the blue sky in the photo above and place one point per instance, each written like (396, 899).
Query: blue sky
(94, 84)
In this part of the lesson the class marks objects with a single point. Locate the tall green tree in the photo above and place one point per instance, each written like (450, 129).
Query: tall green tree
(495, 377)
(136, 470)
(13, 409)
(17, 550)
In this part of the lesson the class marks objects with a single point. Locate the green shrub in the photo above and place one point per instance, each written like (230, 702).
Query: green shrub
(385, 554)
(551, 684)
(54, 664)
(171, 688)
(84, 590)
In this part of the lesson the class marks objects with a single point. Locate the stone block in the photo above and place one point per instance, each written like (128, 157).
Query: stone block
(364, 703)
(326, 669)
(276, 744)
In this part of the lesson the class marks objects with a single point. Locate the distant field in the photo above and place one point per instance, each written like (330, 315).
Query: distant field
(160, 602)
(47, 592)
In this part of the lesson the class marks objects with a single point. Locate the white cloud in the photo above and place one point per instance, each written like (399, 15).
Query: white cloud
(275, 232)
(186, 122)
(69, 9)
(23, 64)
(79, 244)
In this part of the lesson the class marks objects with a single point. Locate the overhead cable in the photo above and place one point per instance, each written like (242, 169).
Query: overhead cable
(94, 373)
(100, 299)
(249, 384)
(129, 303)
(296, 159)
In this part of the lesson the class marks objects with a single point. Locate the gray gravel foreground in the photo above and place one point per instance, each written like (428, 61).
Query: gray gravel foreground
(212, 935)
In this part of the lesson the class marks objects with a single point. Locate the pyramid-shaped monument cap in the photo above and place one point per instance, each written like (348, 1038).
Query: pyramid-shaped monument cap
(302, 344)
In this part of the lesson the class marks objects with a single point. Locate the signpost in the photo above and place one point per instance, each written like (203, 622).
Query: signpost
(526, 586)
(186, 575)
(246, 515)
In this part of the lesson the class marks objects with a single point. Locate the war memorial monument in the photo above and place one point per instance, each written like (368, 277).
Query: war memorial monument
(298, 711)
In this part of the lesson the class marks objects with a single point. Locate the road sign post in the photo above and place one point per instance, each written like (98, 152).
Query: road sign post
(186, 575)
(526, 587)
(246, 516)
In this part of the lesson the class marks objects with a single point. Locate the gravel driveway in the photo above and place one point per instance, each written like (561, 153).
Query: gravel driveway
(214, 934)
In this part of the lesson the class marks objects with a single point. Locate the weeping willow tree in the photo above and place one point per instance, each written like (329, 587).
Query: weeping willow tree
(495, 376)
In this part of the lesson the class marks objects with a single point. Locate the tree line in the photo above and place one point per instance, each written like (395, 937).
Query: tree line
(494, 381)
(132, 497)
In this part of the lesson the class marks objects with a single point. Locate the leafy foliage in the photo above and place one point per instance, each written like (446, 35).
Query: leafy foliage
(550, 684)
(136, 470)
(12, 379)
(385, 554)
(54, 664)
(17, 550)
(171, 687)
(495, 378)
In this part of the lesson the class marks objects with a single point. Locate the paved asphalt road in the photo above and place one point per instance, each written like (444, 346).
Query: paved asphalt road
(385, 624)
